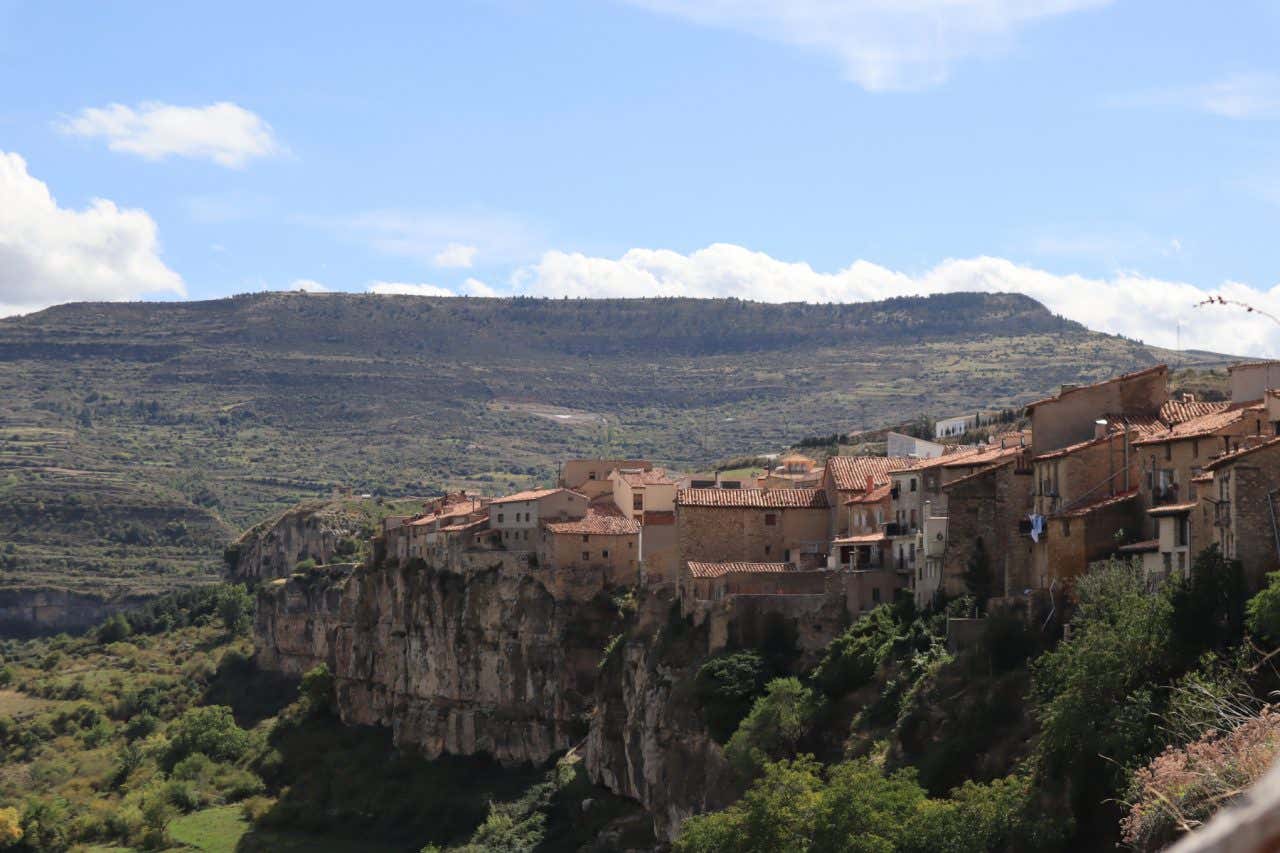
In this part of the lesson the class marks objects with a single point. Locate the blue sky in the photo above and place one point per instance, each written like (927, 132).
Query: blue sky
(1113, 159)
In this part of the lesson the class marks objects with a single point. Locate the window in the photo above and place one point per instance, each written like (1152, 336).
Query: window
(913, 484)
(913, 518)
(770, 519)
(604, 555)
(1183, 532)
(1168, 562)
(586, 555)
(768, 549)
(586, 538)
(875, 594)
(1168, 450)
(591, 475)
(500, 518)
(637, 501)
(786, 556)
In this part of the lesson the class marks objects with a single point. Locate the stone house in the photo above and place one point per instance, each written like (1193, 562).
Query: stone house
(706, 581)
(607, 543)
(1252, 380)
(864, 546)
(986, 510)
(1085, 505)
(1070, 417)
(591, 476)
(846, 477)
(649, 496)
(516, 518)
(753, 525)
(1243, 500)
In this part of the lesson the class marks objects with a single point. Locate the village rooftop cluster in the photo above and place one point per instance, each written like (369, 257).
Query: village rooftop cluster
(1117, 468)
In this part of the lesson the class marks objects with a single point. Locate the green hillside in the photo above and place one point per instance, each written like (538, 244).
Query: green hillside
(135, 439)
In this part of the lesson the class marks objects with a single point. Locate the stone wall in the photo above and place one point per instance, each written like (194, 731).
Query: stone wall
(726, 534)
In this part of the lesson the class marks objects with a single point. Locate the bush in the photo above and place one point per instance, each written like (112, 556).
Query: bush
(727, 686)
(114, 629)
(852, 659)
(773, 728)
(10, 827)
(211, 731)
(235, 608)
(317, 689)
(1263, 611)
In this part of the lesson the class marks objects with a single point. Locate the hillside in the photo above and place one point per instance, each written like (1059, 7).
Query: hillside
(135, 439)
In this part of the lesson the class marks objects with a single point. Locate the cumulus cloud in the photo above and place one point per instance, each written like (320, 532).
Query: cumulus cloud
(402, 288)
(1246, 95)
(224, 132)
(1137, 306)
(476, 287)
(309, 285)
(456, 255)
(51, 254)
(882, 44)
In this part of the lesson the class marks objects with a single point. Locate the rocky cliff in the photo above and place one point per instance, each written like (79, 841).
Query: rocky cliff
(36, 610)
(490, 657)
(320, 531)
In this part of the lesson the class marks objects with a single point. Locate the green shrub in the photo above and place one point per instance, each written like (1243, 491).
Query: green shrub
(210, 730)
(852, 659)
(727, 686)
(776, 723)
(317, 688)
(1263, 611)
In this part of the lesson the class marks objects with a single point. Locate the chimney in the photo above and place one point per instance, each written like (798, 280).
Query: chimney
(1100, 427)
(1188, 398)
(1068, 386)
(871, 483)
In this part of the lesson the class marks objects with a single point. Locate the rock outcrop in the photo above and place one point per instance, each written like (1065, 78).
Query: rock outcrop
(36, 610)
(318, 531)
(491, 657)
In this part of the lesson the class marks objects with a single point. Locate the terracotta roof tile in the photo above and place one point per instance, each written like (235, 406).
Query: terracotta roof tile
(1173, 509)
(1178, 411)
(984, 457)
(861, 539)
(876, 495)
(1231, 458)
(850, 473)
(596, 525)
(969, 478)
(753, 498)
(1201, 425)
(717, 570)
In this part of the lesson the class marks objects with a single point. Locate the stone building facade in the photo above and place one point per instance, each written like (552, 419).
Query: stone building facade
(753, 525)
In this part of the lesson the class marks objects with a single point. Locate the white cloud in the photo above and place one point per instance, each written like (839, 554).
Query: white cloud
(309, 285)
(51, 254)
(476, 287)
(401, 288)
(224, 132)
(882, 44)
(1127, 303)
(456, 255)
(1248, 95)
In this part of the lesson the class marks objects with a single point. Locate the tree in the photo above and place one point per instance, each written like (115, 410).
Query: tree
(235, 608)
(727, 686)
(852, 658)
(115, 629)
(1209, 606)
(317, 689)
(977, 574)
(1263, 611)
(1093, 695)
(775, 725)
(211, 730)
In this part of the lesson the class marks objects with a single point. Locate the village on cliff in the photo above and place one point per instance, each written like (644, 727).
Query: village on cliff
(1114, 469)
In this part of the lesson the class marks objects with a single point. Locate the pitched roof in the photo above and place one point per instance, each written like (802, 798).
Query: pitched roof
(716, 570)
(595, 524)
(1178, 411)
(983, 457)
(874, 496)
(754, 498)
(1159, 368)
(1100, 503)
(533, 495)
(1202, 425)
(1230, 458)
(652, 477)
(850, 473)
(981, 472)
(454, 510)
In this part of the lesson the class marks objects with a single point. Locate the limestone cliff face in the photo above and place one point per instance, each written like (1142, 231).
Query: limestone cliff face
(32, 611)
(482, 659)
(647, 739)
(309, 531)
